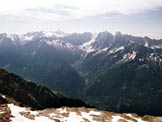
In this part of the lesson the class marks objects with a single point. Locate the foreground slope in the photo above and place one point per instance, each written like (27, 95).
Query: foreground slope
(13, 113)
(15, 89)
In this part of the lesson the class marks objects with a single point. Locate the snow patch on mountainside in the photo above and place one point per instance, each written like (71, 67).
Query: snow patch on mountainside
(3, 96)
(50, 34)
(146, 44)
(17, 113)
(129, 56)
(116, 49)
(87, 47)
(157, 47)
(137, 119)
(13, 37)
(116, 118)
(101, 50)
(25, 38)
(60, 44)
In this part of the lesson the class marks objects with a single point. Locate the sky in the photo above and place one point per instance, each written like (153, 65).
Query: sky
(136, 17)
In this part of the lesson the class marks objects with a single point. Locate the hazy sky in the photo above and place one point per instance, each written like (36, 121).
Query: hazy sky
(137, 17)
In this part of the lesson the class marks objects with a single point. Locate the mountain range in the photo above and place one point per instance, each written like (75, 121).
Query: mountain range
(121, 72)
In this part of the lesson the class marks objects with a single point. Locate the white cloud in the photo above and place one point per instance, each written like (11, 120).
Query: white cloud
(82, 7)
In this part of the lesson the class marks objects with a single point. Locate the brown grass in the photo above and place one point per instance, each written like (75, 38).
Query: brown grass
(28, 115)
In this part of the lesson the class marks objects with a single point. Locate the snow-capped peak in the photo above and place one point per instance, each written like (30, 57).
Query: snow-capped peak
(13, 37)
(53, 33)
(40, 34)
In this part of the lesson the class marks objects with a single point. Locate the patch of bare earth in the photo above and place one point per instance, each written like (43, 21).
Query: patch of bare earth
(152, 119)
(27, 115)
(5, 113)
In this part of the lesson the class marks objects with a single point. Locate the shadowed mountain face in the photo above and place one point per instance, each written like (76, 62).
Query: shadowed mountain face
(124, 76)
(15, 89)
(128, 87)
(120, 72)
(39, 61)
